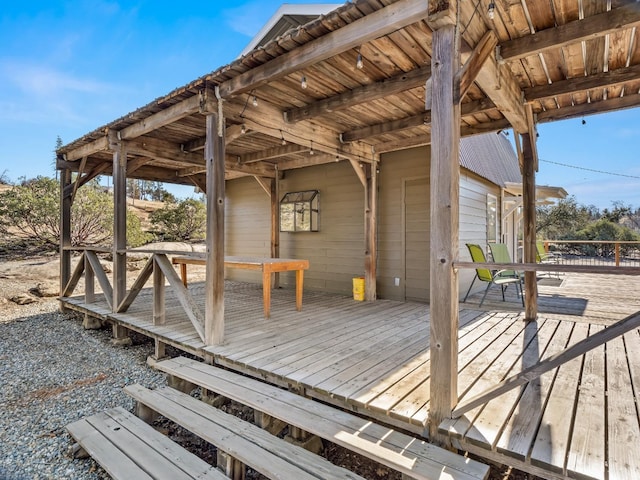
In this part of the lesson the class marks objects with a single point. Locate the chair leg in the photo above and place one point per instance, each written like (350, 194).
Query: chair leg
(503, 288)
(470, 287)
(519, 286)
(485, 294)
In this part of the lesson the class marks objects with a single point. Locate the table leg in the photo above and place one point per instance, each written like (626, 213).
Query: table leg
(299, 284)
(266, 292)
(183, 273)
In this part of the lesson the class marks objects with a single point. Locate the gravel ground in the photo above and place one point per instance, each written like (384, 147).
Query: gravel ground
(54, 372)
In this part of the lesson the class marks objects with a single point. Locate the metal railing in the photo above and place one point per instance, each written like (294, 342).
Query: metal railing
(595, 252)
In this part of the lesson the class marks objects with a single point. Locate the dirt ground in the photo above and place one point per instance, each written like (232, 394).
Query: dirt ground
(33, 277)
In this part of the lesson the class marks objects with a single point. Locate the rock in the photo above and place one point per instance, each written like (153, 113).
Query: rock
(44, 290)
(23, 299)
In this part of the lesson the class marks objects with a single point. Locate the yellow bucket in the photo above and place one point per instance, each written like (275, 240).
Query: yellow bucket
(358, 288)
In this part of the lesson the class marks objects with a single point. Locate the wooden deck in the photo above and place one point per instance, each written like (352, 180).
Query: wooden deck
(577, 421)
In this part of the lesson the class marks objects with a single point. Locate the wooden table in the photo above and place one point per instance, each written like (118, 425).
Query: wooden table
(266, 265)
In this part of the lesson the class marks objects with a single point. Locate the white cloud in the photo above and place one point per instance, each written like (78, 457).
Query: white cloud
(44, 81)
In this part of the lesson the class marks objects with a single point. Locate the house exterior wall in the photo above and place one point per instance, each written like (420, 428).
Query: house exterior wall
(336, 252)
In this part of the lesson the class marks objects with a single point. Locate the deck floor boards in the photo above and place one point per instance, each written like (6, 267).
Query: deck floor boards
(372, 357)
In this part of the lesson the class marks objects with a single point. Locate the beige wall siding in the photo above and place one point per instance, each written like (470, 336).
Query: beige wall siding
(247, 224)
(336, 252)
(395, 169)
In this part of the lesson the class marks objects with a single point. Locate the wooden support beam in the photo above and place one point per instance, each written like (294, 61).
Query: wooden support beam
(445, 168)
(233, 133)
(65, 231)
(137, 286)
(164, 117)
(585, 109)
(370, 231)
(83, 180)
(271, 153)
(472, 66)
(625, 325)
(359, 169)
(264, 184)
(99, 145)
(499, 84)
(274, 194)
(268, 119)
(98, 271)
(529, 220)
(390, 86)
(266, 170)
(580, 84)
(76, 184)
(306, 161)
(214, 299)
(119, 223)
(588, 28)
(370, 27)
(470, 108)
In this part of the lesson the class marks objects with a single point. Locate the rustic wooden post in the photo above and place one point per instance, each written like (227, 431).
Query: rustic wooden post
(275, 224)
(214, 152)
(119, 223)
(445, 176)
(159, 313)
(120, 334)
(529, 217)
(370, 229)
(65, 231)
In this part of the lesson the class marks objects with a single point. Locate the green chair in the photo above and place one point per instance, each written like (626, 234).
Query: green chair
(542, 256)
(500, 254)
(502, 278)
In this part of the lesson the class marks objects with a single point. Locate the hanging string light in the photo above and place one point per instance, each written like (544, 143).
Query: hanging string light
(282, 140)
(311, 152)
(303, 82)
(243, 129)
(492, 10)
(359, 62)
(255, 101)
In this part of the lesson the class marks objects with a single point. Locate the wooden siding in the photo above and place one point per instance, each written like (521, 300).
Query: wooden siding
(396, 168)
(335, 253)
(395, 230)
(247, 225)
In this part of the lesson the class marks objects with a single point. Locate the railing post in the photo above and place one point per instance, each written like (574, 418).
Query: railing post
(617, 247)
(159, 315)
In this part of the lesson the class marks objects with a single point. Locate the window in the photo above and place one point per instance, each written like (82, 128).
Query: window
(299, 211)
(492, 218)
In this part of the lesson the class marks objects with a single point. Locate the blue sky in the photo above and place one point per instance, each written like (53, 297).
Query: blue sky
(68, 67)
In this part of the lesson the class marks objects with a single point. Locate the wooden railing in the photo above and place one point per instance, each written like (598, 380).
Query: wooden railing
(158, 265)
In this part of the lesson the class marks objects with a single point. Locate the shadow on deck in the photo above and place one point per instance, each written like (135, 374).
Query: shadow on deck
(578, 420)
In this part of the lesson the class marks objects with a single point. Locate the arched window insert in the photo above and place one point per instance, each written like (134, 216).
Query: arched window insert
(299, 211)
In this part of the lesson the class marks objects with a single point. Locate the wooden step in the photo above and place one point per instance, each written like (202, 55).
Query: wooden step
(127, 448)
(251, 445)
(412, 456)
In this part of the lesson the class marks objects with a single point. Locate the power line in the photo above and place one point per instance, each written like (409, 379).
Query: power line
(590, 169)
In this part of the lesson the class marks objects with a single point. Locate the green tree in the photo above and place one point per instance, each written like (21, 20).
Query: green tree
(604, 230)
(181, 221)
(562, 220)
(31, 211)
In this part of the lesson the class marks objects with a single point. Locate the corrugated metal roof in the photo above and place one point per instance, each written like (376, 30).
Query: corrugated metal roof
(492, 157)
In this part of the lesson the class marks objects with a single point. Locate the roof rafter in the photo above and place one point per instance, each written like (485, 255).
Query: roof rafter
(577, 84)
(587, 29)
(466, 109)
(366, 93)
(272, 153)
(369, 27)
(268, 119)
